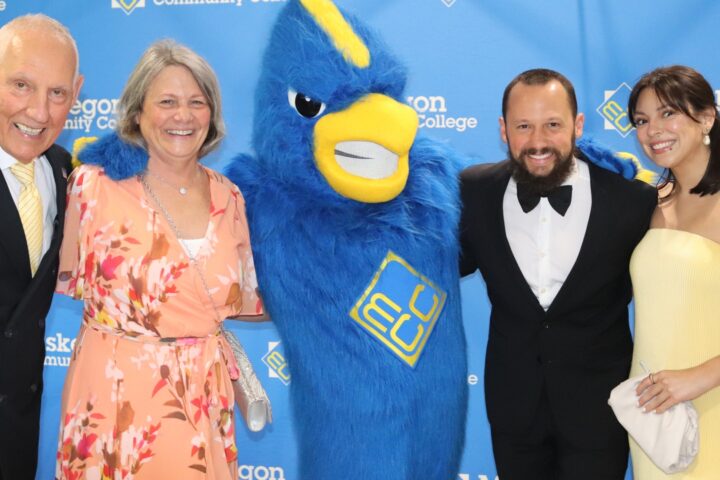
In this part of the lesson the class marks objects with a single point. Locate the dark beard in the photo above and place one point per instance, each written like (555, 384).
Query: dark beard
(542, 184)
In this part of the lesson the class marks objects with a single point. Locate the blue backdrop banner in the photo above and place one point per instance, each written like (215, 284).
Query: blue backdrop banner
(460, 54)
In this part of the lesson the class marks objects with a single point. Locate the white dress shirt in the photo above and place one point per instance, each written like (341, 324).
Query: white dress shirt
(45, 183)
(546, 244)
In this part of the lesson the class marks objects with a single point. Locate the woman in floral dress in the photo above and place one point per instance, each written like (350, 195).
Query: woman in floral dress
(157, 246)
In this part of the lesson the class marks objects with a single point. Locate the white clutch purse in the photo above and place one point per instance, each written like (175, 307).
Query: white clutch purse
(669, 439)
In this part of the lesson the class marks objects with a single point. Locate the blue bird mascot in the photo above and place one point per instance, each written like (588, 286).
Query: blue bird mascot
(353, 222)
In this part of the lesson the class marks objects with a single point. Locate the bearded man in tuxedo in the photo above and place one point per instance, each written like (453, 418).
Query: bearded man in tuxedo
(552, 235)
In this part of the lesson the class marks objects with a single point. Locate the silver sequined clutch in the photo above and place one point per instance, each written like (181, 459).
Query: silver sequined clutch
(250, 395)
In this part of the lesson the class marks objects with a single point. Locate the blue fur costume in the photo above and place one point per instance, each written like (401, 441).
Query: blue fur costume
(360, 412)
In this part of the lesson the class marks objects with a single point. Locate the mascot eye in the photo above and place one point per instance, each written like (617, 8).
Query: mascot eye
(304, 105)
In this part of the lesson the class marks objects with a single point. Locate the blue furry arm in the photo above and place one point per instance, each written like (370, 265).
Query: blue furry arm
(120, 160)
(603, 157)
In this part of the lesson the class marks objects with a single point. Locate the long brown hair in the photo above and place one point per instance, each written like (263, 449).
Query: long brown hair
(686, 90)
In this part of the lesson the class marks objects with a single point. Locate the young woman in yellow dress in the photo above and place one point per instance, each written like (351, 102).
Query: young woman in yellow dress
(676, 267)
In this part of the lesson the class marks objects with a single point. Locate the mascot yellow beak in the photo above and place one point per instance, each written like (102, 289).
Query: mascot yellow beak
(362, 151)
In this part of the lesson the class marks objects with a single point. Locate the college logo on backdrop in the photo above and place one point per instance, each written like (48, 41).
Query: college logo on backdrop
(466, 476)
(399, 308)
(58, 349)
(448, 3)
(88, 113)
(275, 361)
(433, 113)
(238, 3)
(260, 472)
(128, 6)
(614, 110)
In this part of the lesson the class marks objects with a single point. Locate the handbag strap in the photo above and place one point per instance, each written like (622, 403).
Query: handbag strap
(176, 232)
(234, 347)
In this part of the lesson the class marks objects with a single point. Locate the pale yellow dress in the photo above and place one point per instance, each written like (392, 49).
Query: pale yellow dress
(676, 282)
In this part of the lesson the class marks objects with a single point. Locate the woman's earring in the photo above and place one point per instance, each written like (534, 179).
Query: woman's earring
(706, 139)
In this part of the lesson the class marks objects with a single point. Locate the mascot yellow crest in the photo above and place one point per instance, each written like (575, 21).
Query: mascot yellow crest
(329, 18)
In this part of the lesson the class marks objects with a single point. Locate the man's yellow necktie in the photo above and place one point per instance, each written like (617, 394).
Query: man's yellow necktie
(30, 209)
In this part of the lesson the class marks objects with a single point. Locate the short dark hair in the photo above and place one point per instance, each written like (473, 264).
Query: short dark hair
(686, 90)
(541, 76)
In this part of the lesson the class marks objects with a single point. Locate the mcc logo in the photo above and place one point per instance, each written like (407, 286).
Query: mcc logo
(275, 361)
(399, 308)
(127, 6)
(614, 110)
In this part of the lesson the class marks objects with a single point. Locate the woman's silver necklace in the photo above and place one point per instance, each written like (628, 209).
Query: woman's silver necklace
(182, 189)
(193, 260)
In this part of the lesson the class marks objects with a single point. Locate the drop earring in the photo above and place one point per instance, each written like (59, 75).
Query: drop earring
(706, 138)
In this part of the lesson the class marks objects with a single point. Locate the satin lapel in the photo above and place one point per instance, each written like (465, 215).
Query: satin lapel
(505, 256)
(595, 234)
(13, 236)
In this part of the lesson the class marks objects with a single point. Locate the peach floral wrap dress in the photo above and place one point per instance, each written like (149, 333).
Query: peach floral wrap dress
(148, 393)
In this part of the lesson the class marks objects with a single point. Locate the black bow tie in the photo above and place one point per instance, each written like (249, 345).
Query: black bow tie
(559, 198)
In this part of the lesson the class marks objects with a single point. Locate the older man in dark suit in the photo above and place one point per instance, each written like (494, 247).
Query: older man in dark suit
(39, 81)
(552, 236)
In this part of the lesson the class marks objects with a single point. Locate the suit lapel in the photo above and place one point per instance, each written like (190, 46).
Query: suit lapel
(13, 237)
(60, 177)
(505, 257)
(595, 234)
(46, 267)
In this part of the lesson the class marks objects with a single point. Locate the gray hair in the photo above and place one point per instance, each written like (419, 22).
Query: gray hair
(159, 55)
(40, 22)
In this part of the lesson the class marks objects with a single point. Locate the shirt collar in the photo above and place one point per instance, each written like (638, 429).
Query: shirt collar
(7, 160)
(574, 173)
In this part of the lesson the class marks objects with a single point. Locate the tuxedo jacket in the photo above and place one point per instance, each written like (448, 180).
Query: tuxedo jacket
(24, 303)
(581, 347)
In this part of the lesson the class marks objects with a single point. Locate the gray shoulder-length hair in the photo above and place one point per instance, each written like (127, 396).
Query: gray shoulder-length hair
(159, 55)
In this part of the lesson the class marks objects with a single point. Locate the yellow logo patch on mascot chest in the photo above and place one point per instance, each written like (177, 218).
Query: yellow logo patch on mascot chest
(399, 308)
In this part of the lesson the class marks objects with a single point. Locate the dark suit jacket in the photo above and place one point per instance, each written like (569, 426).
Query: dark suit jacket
(24, 303)
(581, 347)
